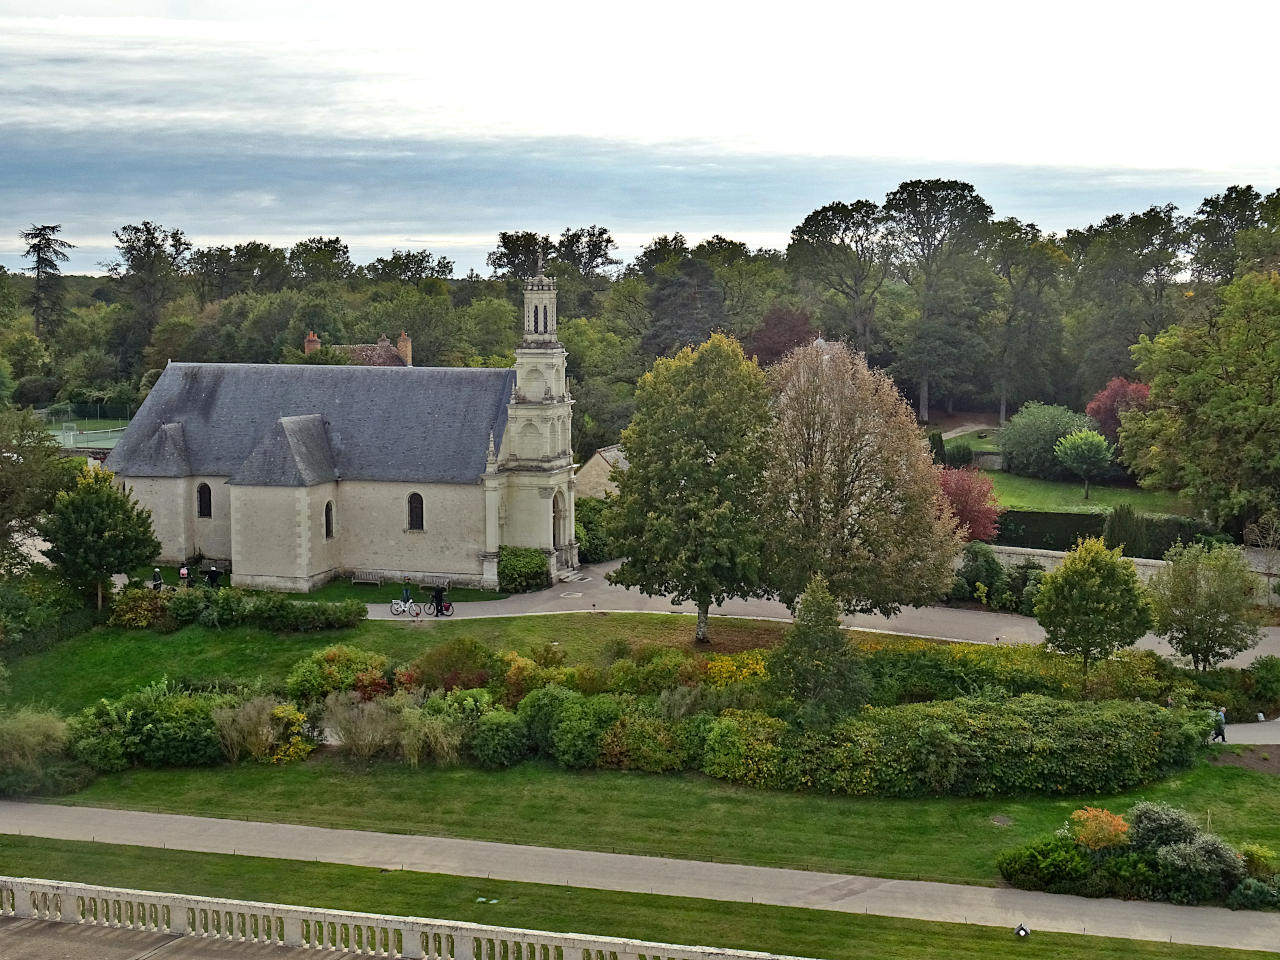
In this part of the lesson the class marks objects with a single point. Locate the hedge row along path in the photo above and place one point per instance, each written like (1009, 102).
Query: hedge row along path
(592, 592)
(917, 900)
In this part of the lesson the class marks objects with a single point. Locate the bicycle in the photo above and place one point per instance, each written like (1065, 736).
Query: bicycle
(413, 608)
(445, 611)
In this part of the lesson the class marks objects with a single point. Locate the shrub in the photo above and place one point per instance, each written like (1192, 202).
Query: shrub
(1027, 603)
(364, 728)
(433, 736)
(156, 726)
(640, 741)
(724, 670)
(1202, 869)
(937, 447)
(264, 728)
(275, 612)
(958, 455)
(1029, 437)
(33, 753)
(1096, 829)
(1266, 677)
(979, 565)
(38, 610)
(744, 747)
(1259, 861)
(522, 569)
(228, 607)
(1055, 865)
(140, 608)
(581, 724)
(185, 606)
(458, 663)
(500, 740)
(333, 668)
(1254, 894)
(541, 710)
(1155, 825)
(597, 547)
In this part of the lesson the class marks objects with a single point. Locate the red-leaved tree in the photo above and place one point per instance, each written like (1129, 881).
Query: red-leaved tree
(781, 329)
(973, 499)
(1108, 403)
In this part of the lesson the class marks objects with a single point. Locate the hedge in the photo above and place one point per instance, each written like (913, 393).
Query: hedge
(1045, 530)
(522, 569)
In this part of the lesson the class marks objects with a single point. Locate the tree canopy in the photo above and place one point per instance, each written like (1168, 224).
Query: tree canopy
(686, 518)
(32, 472)
(1092, 605)
(1202, 600)
(852, 492)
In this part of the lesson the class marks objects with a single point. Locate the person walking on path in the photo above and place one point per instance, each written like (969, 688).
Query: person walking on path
(438, 598)
(1220, 725)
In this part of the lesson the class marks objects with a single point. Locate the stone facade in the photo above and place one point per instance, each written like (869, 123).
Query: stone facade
(294, 506)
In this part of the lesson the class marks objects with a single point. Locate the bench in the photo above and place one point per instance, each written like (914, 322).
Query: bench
(366, 576)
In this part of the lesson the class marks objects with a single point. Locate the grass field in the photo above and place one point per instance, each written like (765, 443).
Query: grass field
(110, 661)
(788, 930)
(685, 816)
(986, 440)
(1028, 493)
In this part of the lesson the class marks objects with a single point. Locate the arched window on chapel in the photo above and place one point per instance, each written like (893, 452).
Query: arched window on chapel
(328, 520)
(204, 501)
(415, 511)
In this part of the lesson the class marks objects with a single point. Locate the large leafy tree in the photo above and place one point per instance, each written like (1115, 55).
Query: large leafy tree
(47, 251)
(320, 260)
(31, 473)
(936, 227)
(687, 304)
(1114, 399)
(587, 249)
(844, 248)
(409, 266)
(1214, 229)
(1202, 599)
(1212, 425)
(815, 673)
(687, 514)
(1092, 605)
(520, 253)
(97, 530)
(1023, 332)
(149, 269)
(852, 490)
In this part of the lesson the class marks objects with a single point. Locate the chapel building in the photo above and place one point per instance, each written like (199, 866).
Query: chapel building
(291, 474)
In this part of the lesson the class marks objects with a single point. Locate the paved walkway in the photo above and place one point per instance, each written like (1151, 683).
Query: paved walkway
(1206, 926)
(592, 592)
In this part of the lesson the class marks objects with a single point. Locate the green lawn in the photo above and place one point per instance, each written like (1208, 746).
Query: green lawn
(787, 930)
(684, 816)
(110, 661)
(986, 440)
(1028, 493)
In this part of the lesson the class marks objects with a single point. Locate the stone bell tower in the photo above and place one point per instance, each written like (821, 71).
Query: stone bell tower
(537, 454)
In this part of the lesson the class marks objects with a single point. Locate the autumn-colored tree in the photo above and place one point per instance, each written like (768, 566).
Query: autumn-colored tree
(781, 330)
(973, 501)
(1112, 400)
(851, 487)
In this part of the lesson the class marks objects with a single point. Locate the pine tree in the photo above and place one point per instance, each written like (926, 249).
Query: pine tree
(46, 251)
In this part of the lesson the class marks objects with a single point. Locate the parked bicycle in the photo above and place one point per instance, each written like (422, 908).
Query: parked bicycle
(411, 607)
(446, 609)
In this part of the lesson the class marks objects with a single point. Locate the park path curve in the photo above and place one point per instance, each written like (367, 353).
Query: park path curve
(918, 900)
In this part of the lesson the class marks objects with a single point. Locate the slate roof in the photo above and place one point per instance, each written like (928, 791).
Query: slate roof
(297, 424)
(614, 456)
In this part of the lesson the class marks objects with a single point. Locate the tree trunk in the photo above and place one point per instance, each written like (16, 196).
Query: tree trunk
(1004, 400)
(924, 398)
(700, 636)
(99, 596)
(1086, 488)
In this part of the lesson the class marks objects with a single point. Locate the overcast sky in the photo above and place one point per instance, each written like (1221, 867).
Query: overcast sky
(433, 125)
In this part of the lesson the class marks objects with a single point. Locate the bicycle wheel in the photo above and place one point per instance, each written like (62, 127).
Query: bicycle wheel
(415, 610)
(397, 607)
(448, 609)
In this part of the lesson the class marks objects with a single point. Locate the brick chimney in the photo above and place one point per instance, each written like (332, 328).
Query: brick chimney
(311, 343)
(404, 346)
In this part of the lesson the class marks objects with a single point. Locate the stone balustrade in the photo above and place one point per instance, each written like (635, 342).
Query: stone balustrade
(366, 934)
